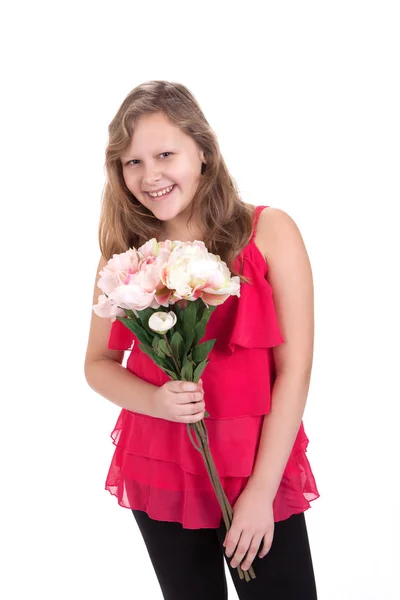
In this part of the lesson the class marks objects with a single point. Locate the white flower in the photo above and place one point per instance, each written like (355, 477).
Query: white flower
(161, 321)
(193, 272)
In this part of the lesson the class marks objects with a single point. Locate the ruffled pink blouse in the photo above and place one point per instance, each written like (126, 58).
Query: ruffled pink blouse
(155, 467)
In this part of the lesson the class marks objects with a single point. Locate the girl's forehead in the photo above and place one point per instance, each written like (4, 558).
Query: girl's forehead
(155, 124)
(154, 138)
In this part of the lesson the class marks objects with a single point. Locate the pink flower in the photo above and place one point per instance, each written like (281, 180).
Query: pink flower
(118, 270)
(105, 308)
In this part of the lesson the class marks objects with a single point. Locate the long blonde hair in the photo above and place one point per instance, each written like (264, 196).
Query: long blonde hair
(125, 222)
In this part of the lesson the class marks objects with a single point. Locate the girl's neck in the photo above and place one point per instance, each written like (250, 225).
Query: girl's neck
(181, 234)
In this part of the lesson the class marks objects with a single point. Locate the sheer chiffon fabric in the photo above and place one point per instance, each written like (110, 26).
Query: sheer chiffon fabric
(155, 468)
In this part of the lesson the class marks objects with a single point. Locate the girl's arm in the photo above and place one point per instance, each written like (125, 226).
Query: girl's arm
(103, 367)
(112, 381)
(290, 275)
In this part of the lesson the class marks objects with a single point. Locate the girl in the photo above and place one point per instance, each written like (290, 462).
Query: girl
(167, 179)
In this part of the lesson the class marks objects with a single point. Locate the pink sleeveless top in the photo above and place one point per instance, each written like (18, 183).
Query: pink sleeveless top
(155, 467)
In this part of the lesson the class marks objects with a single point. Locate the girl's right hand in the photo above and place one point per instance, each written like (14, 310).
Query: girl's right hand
(179, 401)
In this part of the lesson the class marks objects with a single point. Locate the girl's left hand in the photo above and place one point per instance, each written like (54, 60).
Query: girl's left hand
(253, 520)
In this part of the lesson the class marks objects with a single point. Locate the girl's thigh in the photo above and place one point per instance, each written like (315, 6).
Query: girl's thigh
(286, 572)
(188, 563)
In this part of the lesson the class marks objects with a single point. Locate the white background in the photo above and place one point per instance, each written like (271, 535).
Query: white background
(304, 98)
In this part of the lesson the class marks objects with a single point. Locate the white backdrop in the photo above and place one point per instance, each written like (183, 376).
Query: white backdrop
(304, 98)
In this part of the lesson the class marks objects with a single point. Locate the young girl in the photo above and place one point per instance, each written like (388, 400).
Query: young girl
(166, 179)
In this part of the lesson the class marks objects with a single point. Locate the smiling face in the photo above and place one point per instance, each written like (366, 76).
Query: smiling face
(159, 156)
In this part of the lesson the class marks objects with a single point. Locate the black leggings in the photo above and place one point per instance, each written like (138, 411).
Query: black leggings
(189, 563)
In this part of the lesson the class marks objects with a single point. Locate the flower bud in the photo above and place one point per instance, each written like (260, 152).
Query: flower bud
(162, 321)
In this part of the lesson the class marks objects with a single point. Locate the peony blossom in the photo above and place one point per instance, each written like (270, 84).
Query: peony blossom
(161, 274)
(118, 270)
(105, 308)
(193, 272)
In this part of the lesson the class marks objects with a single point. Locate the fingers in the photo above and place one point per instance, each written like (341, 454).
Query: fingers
(267, 543)
(242, 546)
(193, 418)
(189, 398)
(185, 386)
(251, 552)
(246, 545)
(194, 409)
(191, 406)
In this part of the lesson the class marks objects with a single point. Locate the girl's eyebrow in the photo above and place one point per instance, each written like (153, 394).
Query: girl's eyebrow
(127, 157)
(168, 147)
(163, 145)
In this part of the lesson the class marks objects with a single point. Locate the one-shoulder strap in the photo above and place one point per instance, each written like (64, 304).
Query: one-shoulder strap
(256, 214)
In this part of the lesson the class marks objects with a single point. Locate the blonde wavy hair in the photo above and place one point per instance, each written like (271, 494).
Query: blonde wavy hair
(125, 222)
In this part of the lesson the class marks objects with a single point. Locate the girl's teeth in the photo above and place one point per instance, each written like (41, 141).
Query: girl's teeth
(160, 195)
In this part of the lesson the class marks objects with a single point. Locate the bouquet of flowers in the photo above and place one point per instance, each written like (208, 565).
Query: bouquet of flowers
(165, 293)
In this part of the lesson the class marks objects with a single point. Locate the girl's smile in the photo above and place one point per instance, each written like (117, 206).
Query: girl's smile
(166, 193)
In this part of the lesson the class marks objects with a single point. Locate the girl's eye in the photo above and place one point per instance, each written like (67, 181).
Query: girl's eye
(134, 160)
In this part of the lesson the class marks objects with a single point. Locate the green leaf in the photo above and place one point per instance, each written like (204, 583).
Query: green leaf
(169, 363)
(157, 346)
(206, 414)
(189, 339)
(201, 325)
(187, 371)
(177, 346)
(138, 330)
(130, 313)
(162, 345)
(171, 374)
(178, 325)
(203, 350)
(199, 332)
(199, 370)
(154, 357)
(189, 319)
(144, 316)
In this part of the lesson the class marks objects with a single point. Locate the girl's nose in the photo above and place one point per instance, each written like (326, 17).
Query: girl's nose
(151, 176)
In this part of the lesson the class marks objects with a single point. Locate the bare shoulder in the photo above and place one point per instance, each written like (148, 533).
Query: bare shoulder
(276, 229)
(290, 276)
(281, 243)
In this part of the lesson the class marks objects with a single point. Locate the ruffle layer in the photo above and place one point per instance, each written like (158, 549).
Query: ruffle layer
(238, 387)
(248, 321)
(167, 491)
(164, 440)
